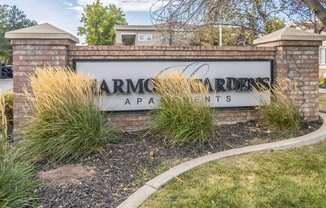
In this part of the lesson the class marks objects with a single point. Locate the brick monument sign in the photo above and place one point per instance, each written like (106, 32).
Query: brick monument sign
(293, 55)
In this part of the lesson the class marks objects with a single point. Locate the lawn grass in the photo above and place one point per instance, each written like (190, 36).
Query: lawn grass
(322, 102)
(281, 179)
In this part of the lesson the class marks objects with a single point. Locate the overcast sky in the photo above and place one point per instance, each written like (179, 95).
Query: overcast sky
(66, 14)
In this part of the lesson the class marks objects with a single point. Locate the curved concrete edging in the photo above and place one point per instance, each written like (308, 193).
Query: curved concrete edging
(143, 193)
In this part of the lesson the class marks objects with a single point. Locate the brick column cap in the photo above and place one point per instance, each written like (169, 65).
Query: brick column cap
(289, 34)
(44, 31)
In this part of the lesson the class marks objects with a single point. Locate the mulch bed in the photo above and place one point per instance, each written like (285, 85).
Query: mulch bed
(123, 167)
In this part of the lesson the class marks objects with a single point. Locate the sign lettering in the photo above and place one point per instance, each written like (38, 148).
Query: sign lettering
(128, 85)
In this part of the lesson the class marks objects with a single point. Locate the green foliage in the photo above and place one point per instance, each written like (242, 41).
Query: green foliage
(206, 36)
(11, 18)
(237, 37)
(180, 119)
(322, 82)
(279, 179)
(16, 180)
(273, 24)
(281, 116)
(76, 134)
(281, 112)
(232, 36)
(67, 124)
(99, 21)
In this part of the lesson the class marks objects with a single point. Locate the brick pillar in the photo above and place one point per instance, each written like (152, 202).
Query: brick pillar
(297, 61)
(41, 45)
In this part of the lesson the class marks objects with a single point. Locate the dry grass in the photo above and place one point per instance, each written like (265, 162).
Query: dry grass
(67, 123)
(183, 114)
(280, 113)
(3, 124)
(54, 89)
(176, 85)
(322, 102)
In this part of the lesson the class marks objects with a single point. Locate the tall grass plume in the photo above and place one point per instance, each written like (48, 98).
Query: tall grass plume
(183, 115)
(3, 122)
(66, 122)
(280, 113)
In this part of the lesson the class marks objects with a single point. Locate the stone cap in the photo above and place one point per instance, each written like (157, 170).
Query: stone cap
(289, 33)
(43, 31)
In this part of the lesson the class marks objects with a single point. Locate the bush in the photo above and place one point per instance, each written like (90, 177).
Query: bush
(16, 185)
(280, 113)
(322, 82)
(180, 118)
(67, 123)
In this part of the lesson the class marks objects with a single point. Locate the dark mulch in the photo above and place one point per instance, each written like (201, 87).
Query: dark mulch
(123, 167)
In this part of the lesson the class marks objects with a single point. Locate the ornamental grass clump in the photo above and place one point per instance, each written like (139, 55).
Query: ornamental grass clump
(280, 113)
(8, 99)
(16, 179)
(3, 119)
(66, 122)
(183, 115)
(16, 184)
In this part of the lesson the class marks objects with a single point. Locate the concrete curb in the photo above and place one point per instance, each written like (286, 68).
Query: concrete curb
(142, 194)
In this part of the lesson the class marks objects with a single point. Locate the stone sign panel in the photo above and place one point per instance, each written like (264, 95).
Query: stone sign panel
(127, 85)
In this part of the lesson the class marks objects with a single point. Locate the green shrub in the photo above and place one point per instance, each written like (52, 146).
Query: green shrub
(180, 119)
(322, 82)
(66, 124)
(280, 113)
(16, 185)
(16, 180)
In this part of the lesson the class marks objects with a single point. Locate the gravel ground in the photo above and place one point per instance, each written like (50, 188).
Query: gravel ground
(123, 167)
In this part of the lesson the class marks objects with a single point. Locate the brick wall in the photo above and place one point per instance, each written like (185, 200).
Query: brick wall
(156, 52)
(294, 60)
(134, 121)
(298, 62)
(27, 54)
(138, 121)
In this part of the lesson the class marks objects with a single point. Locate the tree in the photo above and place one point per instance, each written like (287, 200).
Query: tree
(258, 16)
(301, 15)
(254, 17)
(318, 8)
(11, 18)
(232, 36)
(98, 23)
